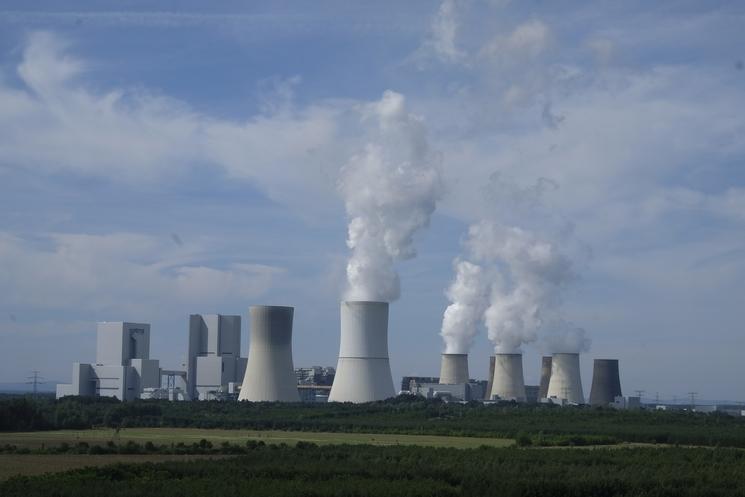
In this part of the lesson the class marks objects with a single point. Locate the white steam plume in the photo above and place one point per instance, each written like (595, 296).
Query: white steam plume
(390, 191)
(468, 294)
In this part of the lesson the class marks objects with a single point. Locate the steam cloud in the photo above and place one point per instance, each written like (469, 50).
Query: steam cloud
(514, 280)
(468, 294)
(390, 191)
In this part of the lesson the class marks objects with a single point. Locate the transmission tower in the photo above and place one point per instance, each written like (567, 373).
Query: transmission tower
(693, 398)
(35, 380)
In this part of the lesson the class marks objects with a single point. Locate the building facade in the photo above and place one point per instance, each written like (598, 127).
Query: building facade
(214, 364)
(123, 368)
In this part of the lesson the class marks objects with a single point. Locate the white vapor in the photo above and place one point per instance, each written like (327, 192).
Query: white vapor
(468, 294)
(390, 191)
(534, 273)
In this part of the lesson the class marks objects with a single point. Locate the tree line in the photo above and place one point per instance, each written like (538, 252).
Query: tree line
(531, 425)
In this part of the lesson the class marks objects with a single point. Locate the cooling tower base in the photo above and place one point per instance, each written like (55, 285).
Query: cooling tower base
(362, 380)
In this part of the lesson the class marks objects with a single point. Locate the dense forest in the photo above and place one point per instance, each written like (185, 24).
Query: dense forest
(310, 470)
(530, 425)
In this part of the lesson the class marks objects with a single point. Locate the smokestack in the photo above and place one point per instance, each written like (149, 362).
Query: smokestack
(508, 382)
(545, 377)
(566, 382)
(454, 369)
(490, 378)
(270, 375)
(363, 373)
(606, 382)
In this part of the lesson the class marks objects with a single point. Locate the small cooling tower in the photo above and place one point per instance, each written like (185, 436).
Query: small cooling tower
(363, 373)
(545, 377)
(490, 378)
(454, 369)
(270, 375)
(606, 382)
(566, 382)
(508, 382)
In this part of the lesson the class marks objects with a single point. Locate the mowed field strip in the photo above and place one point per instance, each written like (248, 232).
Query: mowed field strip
(188, 436)
(38, 464)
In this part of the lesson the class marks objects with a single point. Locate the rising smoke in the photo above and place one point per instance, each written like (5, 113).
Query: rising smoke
(526, 273)
(390, 190)
(468, 295)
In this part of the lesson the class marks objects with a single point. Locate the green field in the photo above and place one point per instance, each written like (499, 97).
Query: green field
(190, 435)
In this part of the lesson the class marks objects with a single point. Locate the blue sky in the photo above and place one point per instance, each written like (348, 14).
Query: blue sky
(227, 126)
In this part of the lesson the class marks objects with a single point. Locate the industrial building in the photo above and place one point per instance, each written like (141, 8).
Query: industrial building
(565, 384)
(363, 373)
(606, 382)
(123, 367)
(270, 374)
(214, 365)
(508, 382)
(454, 369)
(314, 383)
(408, 382)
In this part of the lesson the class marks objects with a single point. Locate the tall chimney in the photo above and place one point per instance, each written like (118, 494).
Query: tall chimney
(363, 373)
(508, 382)
(545, 377)
(270, 375)
(566, 382)
(606, 382)
(454, 369)
(490, 378)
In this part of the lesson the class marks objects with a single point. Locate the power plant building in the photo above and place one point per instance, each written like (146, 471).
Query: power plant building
(270, 375)
(454, 369)
(508, 382)
(606, 382)
(566, 383)
(123, 367)
(213, 364)
(363, 373)
(545, 377)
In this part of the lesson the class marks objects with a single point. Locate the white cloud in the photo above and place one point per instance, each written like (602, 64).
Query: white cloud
(55, 123)
(120, 272)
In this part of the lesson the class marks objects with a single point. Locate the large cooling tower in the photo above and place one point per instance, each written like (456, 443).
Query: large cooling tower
(490, 378)
(508, 382)
(270, 375)
(566, 382)
(454, 369)
(545, 377)
(606, 383)
(363, 373)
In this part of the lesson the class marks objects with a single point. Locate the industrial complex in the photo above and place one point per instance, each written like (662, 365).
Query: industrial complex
(215, 370)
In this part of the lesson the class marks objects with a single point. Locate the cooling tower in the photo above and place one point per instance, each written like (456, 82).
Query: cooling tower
(508, 382)
(606, 383)
(270, 375)
(545, 377)
(363, 373)
(566, 382)
(454, 369)
(490, 378)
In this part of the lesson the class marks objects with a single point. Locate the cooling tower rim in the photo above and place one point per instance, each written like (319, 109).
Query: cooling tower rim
(278, 307)
(606, 360)
(508, 354)
(360, 302)
(454, 354)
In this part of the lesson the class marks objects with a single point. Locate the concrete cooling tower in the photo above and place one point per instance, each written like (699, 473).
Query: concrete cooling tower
(508, 382)
(454, 369)
(490, 378)
(545, 377)
(606, 382)
(363, 373)
(566, 382)
(270, 375)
